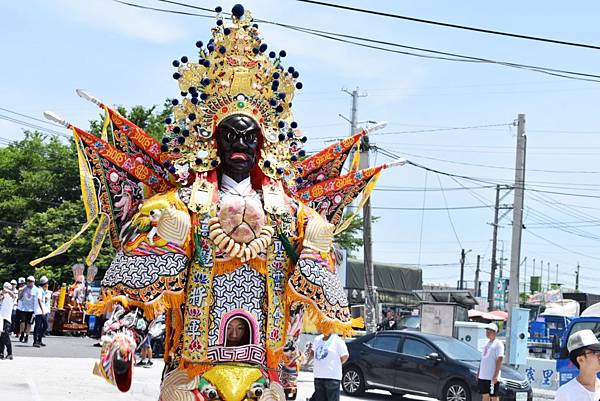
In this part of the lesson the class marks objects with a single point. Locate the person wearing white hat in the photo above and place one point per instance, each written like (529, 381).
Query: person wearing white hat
(27, 300)
(41, 313)
(584, 353)
(490, 365)
(7, 300)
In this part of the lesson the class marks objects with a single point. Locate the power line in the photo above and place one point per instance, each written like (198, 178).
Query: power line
(499, 167)
(441, 129)
(448, 56)
(444, 146)
(575, 224)
(449, 25)
(448, 212)
(351, 39)
(168, 11)
(32, 118)
(434, 208)
(33, 126)
(384, 188)
(548, 220)
(564, 193)
(560, 246)
(571, 205)
(565, 210)
(409, 162)
(473, 194)
(481, 180)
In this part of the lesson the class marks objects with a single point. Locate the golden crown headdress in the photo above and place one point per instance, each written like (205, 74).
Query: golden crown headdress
(234, 75)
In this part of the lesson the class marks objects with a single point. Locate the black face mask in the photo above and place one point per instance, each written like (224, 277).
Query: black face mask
(237, 141)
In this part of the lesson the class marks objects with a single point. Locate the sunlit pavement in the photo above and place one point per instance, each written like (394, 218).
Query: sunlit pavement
(63, 371)
(60, 379)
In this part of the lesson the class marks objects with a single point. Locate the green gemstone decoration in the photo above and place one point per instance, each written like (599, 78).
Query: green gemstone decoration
(240, 105)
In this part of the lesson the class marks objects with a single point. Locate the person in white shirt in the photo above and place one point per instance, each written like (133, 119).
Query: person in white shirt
(330, 353)
(15, 291)
(490, 365)
(584, 352)
(41, 313)
(27, 302)
(7, 300)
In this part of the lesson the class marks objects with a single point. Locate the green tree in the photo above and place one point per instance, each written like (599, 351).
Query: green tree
(45, 231)
(351, 239)
(151, 119)
(37, 173)
(40, 200)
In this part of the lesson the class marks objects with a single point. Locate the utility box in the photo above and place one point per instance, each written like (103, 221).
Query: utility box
(439, 317)
(471, 333)
(519, 325)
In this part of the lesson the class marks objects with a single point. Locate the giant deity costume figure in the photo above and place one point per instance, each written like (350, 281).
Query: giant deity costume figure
(225, 226)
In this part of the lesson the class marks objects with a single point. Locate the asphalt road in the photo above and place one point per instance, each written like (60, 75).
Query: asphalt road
(63, 370)
(57, 347)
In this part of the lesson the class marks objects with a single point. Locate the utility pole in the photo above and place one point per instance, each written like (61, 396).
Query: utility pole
(501, 265)
(491, 287)
(577, 279)
(476, 285)
(556, 274)
(371, 315)
(517, 227)
(462, 270)
(525, 275)
(549, 276)
(533, 274)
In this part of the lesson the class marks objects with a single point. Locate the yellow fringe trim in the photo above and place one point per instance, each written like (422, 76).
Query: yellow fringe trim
(357, 322)
(168, 339)
(323, 323)
(167, 300)
(227, 266)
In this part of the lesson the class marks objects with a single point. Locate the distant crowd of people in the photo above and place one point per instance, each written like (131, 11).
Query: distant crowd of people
(23, 304)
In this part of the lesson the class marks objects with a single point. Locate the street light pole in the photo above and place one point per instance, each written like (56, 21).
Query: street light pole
(463, 256)
(371, 315)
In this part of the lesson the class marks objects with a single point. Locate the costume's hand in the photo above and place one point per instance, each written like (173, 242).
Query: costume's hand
(318, 234)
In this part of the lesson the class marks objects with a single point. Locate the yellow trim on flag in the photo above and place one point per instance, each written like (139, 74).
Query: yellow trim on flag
(64, 247)
(98, 239)
(88, 190)
(105, 125)
(365, 197)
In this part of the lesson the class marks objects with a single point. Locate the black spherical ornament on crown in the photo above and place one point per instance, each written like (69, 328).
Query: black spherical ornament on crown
(237, 11)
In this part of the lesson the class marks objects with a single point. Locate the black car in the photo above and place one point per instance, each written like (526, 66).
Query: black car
(410, 362)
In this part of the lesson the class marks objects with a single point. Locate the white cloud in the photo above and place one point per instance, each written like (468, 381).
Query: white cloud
(118, 18)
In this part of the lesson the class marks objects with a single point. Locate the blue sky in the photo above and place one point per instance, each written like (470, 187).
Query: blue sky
(123, 56)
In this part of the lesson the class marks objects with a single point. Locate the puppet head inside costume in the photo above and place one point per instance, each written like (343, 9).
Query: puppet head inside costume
(225, 226)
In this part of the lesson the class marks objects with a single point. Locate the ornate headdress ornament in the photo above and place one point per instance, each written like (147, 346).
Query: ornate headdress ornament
(234, 75)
